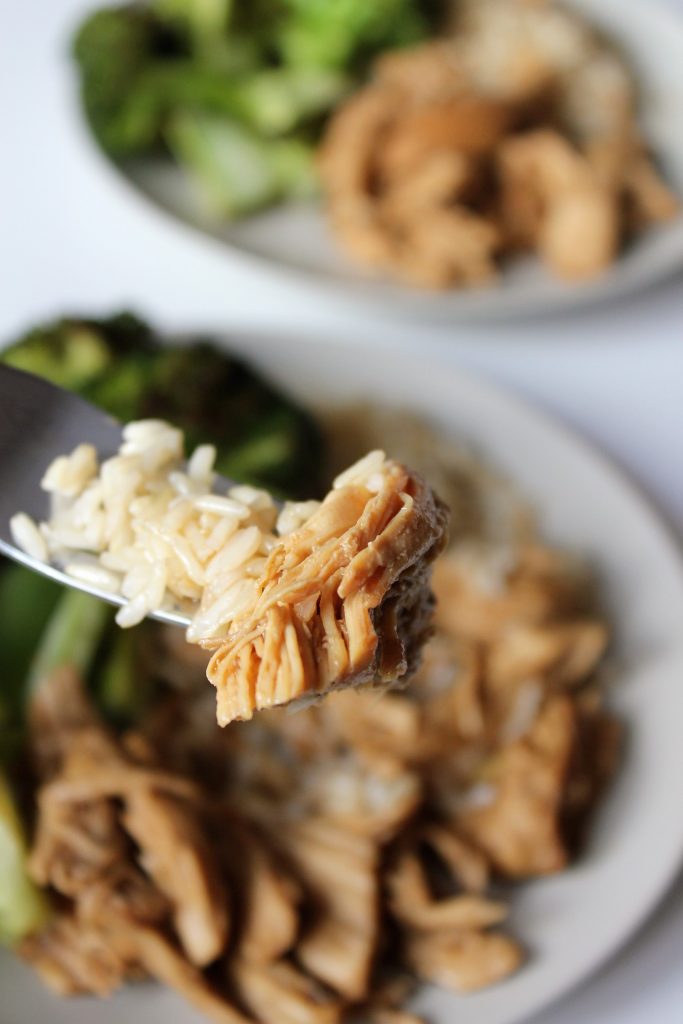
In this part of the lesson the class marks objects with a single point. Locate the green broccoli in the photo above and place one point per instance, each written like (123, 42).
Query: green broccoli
(114, 48)
(347, 33)
(214, 81)
(27, 601)
(237, 171)
(22, 906)
(73, 352)
(231, 34)
(262, 437)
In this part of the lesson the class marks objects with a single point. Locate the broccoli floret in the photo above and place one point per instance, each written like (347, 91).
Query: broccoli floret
(232, 34)
(73, 353)
(237, 171)
(27, 600)
(201, 20)
(115, 49)
(317, 33)
(262, 438)
(219, 82)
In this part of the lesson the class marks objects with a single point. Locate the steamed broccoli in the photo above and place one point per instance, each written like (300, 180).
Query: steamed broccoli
(237, 171)
(237, 90)
(114, 48)
(347, 33)
(233, 34)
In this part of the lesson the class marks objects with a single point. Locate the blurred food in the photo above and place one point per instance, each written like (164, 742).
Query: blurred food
(331, 858)
(448, 137)
(235, 91)
(261, 437)
(518, 132)
(294, 601)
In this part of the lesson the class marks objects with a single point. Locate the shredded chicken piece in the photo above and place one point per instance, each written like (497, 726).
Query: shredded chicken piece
(73, 959)
(160, 959)
(343, 601)
(516, 132)
(482, 591)
(269, 898)
(412, 902)
(94, 802)
(520, 830)
(469, 125)
(463, 962)
(177, 856)
(468, 865)
(566, 653)
(341, 872)
(279, 994)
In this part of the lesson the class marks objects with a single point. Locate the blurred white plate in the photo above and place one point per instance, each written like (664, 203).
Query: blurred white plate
(295, 239)
(572, 923)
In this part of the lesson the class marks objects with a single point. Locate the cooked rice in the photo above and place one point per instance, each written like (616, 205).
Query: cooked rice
(28, 537)
(147, 525)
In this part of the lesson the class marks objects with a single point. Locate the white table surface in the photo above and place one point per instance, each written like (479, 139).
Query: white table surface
(72, 239)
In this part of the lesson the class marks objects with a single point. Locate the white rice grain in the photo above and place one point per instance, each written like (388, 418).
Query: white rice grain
(361, 471)
(222, 506)
(27, 536)
(94, 575)
(201, 463)
(69, 474)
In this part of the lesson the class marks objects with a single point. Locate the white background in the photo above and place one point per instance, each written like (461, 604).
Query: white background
(73, 239)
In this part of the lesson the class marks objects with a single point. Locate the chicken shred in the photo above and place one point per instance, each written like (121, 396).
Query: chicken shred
(343, 601)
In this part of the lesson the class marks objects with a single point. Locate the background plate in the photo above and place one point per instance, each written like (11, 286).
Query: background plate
(295, 240)
(573, 923)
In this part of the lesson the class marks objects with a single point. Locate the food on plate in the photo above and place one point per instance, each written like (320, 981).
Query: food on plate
(447, 138)
(516, 133)
(261, 437)
(335, 857)
(234, 91)
(294, 602)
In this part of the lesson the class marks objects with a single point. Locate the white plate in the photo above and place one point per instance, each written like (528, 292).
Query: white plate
(295, 239)
(571, 924)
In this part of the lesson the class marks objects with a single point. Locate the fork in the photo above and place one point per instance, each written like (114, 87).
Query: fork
(38, 422)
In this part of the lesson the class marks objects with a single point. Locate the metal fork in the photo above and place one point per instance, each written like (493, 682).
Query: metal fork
(38, 422)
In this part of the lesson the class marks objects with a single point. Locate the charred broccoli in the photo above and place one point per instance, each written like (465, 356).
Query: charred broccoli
(262, 437)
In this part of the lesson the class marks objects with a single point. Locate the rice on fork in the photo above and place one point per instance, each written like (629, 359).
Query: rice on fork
(294, 601)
